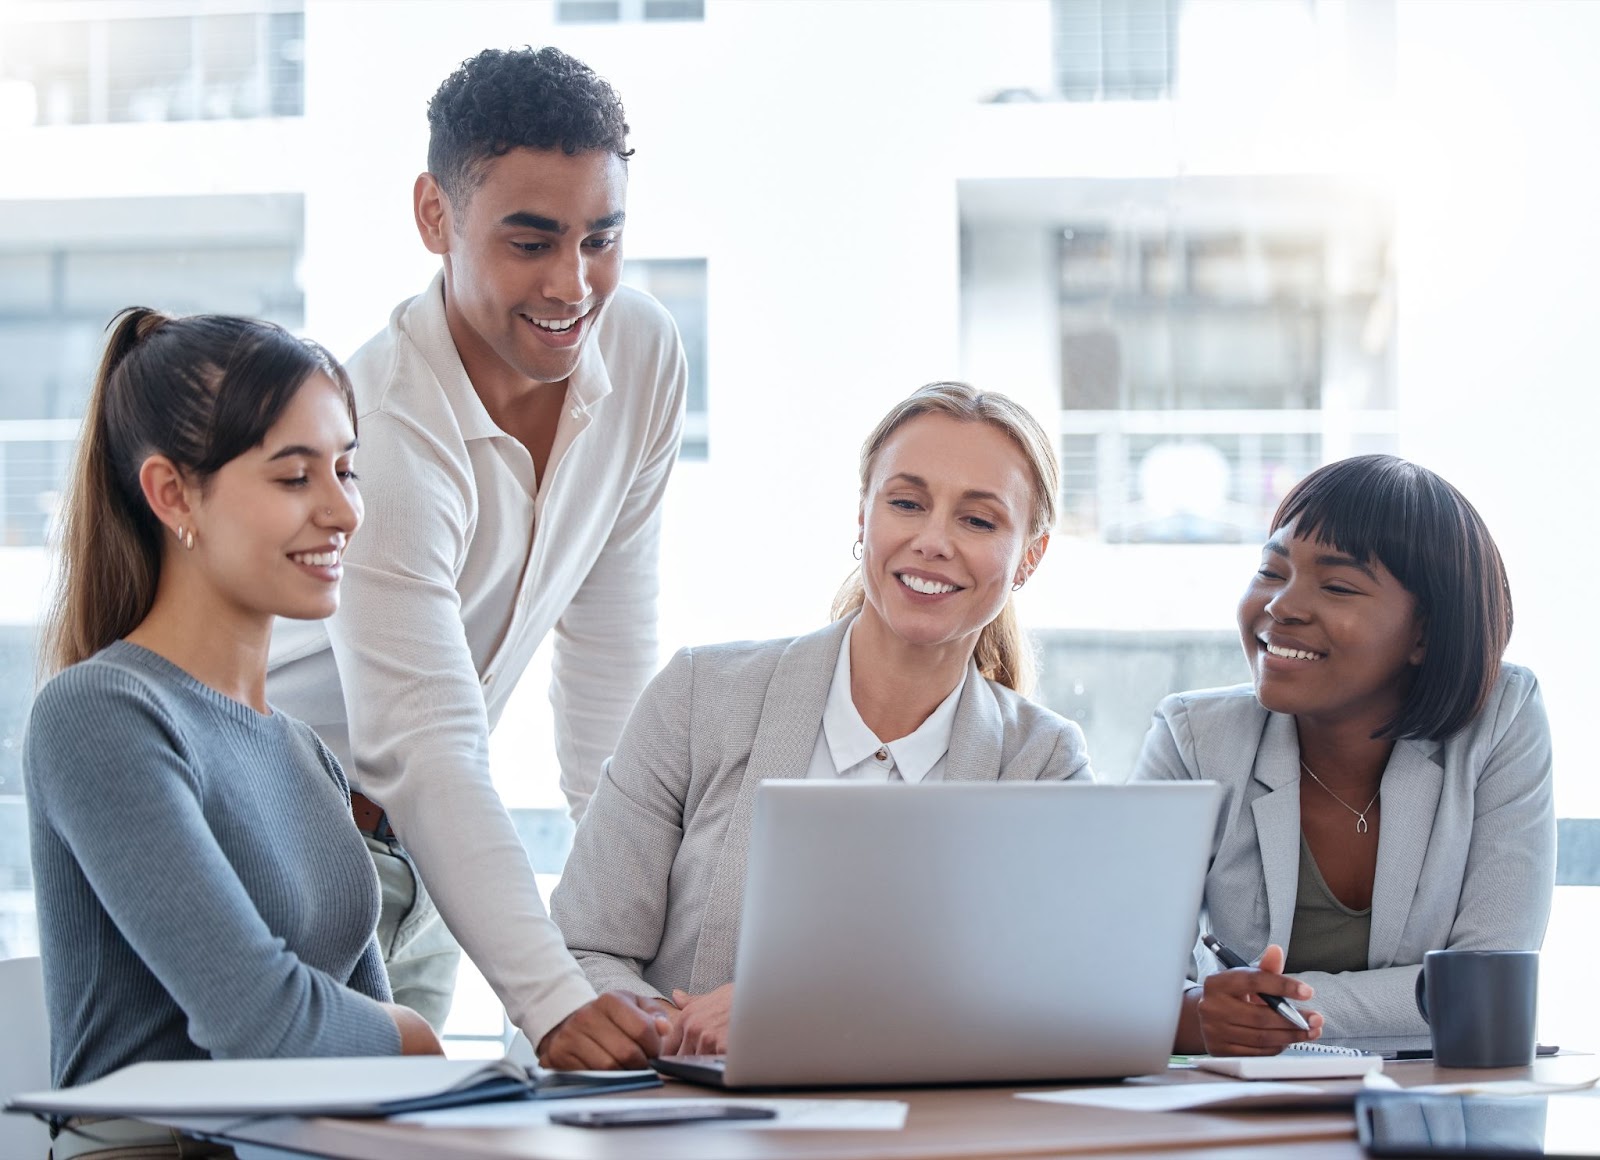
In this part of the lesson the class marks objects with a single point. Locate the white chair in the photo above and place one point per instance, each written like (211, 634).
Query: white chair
(25, 1060)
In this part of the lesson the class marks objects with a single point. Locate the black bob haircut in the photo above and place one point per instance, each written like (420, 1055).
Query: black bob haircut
(533, 98)
(1434, 542)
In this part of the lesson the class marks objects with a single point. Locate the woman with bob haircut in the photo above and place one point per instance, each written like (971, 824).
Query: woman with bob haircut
(1386, 776)
(917, 679)
(202, 889)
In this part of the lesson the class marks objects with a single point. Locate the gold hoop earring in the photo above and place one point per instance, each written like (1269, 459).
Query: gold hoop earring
(858, 550)
(188, 539)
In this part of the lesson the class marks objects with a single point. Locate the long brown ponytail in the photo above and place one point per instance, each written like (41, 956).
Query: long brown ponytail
(200, 390)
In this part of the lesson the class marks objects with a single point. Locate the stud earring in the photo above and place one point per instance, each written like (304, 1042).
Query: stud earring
(858, 550)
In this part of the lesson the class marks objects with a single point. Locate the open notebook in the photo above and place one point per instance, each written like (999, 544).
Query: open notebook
(1303, 1060)
(317, 1087)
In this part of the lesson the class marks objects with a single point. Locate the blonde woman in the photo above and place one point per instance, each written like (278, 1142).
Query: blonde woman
(918, 679)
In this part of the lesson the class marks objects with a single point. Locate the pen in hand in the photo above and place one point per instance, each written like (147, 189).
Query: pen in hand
(1277, 1002)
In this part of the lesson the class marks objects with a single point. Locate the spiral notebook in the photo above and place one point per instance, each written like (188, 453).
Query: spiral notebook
(1297, 1061)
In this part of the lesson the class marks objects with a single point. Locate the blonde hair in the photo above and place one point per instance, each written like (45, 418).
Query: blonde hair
(1003, 652)
(200, 390)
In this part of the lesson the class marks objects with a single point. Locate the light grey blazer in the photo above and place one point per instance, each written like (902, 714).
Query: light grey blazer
(650, 898)
(1466, 847)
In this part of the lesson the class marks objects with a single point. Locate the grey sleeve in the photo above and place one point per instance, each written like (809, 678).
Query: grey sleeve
(111, 775)
(370, 978)
(1162, 756)
(611, 904)
(1070, 759)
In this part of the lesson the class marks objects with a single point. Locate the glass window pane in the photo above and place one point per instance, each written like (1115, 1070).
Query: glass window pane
(679, 284)
(286, 52)
(230, 83)
(588, 11)
(46, 364)
(24, 283)
(53, 60)
(18, 933)
(245, 280)
(1114, 50)
(150, 70)
(674, 9)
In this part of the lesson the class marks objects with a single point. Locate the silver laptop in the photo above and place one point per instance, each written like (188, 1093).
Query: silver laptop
(957, 933)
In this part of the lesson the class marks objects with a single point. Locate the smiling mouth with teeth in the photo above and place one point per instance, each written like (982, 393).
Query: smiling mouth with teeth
(315, 559)
(1293, 654)
(926, 587)
(555, 325)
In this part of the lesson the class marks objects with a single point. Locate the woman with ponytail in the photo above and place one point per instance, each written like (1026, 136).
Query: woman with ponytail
(920, 678)
(202, 890)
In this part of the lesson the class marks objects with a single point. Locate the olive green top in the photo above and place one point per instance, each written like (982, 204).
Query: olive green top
(1327, 935)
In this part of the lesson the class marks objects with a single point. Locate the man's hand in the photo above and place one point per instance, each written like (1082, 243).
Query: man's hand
(1235, 1021)
(617, 1030)
(702, 1025)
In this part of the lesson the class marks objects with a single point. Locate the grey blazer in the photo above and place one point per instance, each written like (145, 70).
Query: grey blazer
(1466, 851)
(650, 898)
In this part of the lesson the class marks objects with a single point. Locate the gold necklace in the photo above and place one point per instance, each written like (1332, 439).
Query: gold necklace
(1361, 815)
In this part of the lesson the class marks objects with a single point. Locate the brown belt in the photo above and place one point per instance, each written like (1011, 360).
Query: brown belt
(370, 818)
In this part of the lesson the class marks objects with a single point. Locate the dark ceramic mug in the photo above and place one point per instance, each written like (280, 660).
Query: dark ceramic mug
(1480, 1006)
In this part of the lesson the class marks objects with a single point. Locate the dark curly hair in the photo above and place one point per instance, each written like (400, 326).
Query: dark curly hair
(535, 98)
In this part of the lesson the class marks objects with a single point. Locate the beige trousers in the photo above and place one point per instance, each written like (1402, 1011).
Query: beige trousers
(418, 949)
(95, 1138)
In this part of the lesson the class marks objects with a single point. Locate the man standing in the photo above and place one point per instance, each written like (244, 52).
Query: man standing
(518, 422)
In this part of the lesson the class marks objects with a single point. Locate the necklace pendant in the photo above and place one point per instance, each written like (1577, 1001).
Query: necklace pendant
(1361, 823)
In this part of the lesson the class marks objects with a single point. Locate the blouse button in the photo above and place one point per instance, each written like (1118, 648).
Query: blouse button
(882, 754)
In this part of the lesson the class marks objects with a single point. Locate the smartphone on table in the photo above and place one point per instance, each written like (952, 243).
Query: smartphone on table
(645, 1117)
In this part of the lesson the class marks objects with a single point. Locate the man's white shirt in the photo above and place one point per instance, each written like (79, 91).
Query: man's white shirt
(465, 562)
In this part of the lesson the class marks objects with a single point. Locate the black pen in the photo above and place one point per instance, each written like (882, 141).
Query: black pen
(1277, 1002)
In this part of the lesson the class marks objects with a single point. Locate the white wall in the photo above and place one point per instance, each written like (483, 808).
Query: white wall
(1500, 310)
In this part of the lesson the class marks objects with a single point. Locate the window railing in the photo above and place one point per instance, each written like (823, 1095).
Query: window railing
(35, 455)
(1198, 476)
(228, 62)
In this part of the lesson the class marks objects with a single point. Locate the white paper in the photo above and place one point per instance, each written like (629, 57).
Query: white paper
(827, 1115)
(1505, 1087)
(1177, 1097)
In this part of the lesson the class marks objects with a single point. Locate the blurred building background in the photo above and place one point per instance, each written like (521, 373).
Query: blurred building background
(1214, 243)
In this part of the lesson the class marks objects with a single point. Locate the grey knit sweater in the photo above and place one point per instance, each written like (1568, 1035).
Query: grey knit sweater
(202, 891)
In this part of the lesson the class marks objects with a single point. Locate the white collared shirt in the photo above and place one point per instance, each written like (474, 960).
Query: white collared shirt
(846, 748)
(465, 563)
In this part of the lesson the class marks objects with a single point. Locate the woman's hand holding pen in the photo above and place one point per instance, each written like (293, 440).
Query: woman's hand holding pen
(1233, 1018)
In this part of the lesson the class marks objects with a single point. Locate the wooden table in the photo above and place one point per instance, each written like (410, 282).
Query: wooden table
(943, 1124)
